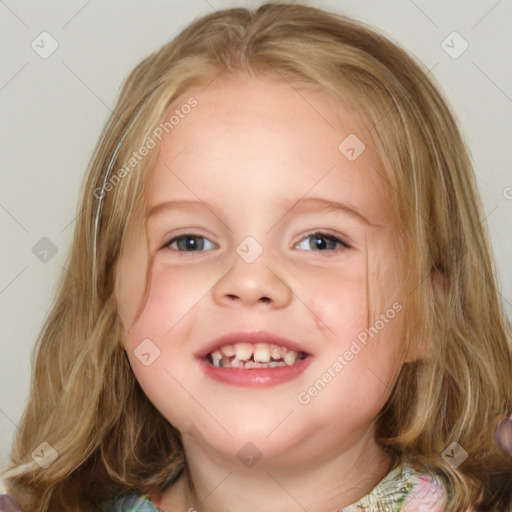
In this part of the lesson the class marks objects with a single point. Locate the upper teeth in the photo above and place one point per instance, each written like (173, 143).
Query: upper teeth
(261, 353)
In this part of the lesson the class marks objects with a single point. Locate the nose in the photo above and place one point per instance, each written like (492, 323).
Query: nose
(252, 284)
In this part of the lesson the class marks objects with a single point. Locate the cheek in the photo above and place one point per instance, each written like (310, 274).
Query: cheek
(338, 300)
(340, 304)
(165, 304)
(172, 295)
(165, 327)
(156, 343)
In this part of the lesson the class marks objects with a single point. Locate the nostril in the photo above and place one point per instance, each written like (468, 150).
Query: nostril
(232, 296)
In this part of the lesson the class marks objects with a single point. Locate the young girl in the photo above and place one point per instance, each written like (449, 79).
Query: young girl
(280, 294)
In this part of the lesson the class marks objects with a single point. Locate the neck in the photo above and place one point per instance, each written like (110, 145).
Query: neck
(218, 484)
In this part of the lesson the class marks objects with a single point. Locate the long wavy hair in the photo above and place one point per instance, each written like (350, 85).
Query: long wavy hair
(85, 401)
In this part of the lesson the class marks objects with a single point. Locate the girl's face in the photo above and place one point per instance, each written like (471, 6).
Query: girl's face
(266, 217)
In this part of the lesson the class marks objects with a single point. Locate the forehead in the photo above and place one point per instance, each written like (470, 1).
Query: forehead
(271, 140)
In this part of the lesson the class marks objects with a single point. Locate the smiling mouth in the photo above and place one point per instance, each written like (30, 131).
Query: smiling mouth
(247, 356)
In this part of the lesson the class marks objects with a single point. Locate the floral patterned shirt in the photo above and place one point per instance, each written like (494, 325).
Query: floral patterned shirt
(403, 489)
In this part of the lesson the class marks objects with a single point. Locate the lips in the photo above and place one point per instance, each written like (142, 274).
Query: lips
(251, 337)
(213, 359)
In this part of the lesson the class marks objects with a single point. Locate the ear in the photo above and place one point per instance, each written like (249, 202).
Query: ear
(439, 285)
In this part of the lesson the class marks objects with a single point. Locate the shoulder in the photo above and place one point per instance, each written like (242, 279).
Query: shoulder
(8, 503)
(131, 503)
(425, 491)
(406, 490)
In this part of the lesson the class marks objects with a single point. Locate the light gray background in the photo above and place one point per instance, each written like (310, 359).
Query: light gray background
(52, 112)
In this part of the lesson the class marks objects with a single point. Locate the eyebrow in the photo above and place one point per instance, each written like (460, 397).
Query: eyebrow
(174, 205)
(324, 205)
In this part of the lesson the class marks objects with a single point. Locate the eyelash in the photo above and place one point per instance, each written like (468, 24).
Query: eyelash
(319, 234)
(185, 235)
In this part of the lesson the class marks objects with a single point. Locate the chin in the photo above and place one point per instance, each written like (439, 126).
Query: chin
(251, 437)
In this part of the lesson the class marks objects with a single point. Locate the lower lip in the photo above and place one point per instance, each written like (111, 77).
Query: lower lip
(255, 377)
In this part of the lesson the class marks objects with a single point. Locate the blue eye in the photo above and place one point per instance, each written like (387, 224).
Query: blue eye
(318, 241)
(190, 243)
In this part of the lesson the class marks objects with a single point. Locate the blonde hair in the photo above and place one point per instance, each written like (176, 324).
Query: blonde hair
(85, 401)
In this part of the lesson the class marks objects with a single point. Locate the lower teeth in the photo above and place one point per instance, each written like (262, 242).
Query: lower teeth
(247, 365)
(272, 364)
